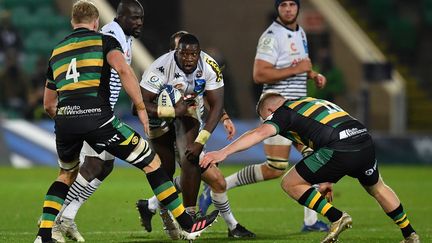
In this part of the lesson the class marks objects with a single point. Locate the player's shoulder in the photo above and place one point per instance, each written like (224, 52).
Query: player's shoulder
(209, 62)
(113, 29)
(273, 30)
(163, 60)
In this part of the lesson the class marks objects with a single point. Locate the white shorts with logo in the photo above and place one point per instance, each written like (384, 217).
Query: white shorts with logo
(88, 151)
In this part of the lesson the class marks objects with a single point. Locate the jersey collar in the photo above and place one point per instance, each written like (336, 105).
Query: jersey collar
(278, 22)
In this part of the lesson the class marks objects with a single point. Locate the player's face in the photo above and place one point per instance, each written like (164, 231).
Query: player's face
(133, 21)
(288, 11)
(188, 56)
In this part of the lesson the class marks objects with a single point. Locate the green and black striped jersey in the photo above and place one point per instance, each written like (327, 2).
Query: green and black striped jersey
(79, 72)
(313, 122)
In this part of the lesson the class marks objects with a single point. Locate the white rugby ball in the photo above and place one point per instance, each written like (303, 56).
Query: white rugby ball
(169, 96)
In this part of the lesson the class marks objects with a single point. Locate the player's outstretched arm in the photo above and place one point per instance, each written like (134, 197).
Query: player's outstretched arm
(245, 141)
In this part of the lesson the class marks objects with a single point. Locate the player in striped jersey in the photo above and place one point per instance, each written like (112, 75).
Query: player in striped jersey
(127, 24)
(168, 140)
(282, 65)
(342, 146)
(77, 98)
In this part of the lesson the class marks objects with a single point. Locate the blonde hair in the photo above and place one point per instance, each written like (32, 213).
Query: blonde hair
(84, 12)
(265, 100)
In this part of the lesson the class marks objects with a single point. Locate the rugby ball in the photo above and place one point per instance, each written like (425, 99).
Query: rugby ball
(168, 96)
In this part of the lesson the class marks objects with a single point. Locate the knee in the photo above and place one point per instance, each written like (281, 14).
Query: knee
(271, 172)
(67, 177)
(218, 185)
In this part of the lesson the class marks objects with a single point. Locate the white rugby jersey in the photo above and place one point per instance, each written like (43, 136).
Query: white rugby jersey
(164, 70)
(283, 48)
(113, 29)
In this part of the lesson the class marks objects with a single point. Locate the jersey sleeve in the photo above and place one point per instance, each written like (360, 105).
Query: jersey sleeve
(152, 80)
(214, 77)
(267, 48)
(50, 78)
(280, 119)
(110, 43)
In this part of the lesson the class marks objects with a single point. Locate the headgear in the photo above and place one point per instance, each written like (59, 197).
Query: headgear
(278, 2)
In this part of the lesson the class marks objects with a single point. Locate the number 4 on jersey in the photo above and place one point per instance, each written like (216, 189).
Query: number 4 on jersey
(72, 71)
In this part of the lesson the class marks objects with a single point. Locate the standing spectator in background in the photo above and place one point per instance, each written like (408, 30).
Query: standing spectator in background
(13, 86)
(9, 36)
(35, 92)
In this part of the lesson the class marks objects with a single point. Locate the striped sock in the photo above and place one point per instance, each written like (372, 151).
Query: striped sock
(52, 204)
(314, 200)
(400, 218)
(248, 175)
(221, 203)
(77, 187)
(166, 193)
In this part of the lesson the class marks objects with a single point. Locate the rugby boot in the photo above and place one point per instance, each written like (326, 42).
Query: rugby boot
(318, 226)
(145, 214)
(170, 226)
(412, 238)
(337, 227)
(69, 228)
(199, 225)
(204, 200)
(240, 232)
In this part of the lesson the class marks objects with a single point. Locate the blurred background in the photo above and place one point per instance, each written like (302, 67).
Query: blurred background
(374, 53)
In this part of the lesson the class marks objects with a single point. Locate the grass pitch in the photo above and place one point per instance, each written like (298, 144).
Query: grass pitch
(110, 215)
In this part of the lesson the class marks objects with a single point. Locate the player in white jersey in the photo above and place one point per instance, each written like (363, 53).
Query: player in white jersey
(97, 166)
(169, 69)
(283, 66)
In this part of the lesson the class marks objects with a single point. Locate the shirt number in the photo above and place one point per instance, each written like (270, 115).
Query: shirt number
(72, 71)
(332, 108)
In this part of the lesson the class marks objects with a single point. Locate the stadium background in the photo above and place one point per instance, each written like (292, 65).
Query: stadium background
(375, 54)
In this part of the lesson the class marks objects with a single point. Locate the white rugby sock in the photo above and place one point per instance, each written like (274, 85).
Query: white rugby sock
(221, 203)
(153, 204)
(310, 216)
(72, 208)
(248, 175)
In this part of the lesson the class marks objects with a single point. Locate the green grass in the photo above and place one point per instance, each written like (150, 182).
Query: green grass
(110, 215)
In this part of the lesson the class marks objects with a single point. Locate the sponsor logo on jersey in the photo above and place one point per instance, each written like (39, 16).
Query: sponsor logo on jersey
(215, 68)
(293, 47)
(199, 85)
(351, 132)
(76, 110)
(161, 69)
(199, 74)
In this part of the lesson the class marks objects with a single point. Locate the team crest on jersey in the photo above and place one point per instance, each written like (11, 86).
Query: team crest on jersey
(289, 36)
(199, 74)
(154, 79)
(215, 68)
(135, 140)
